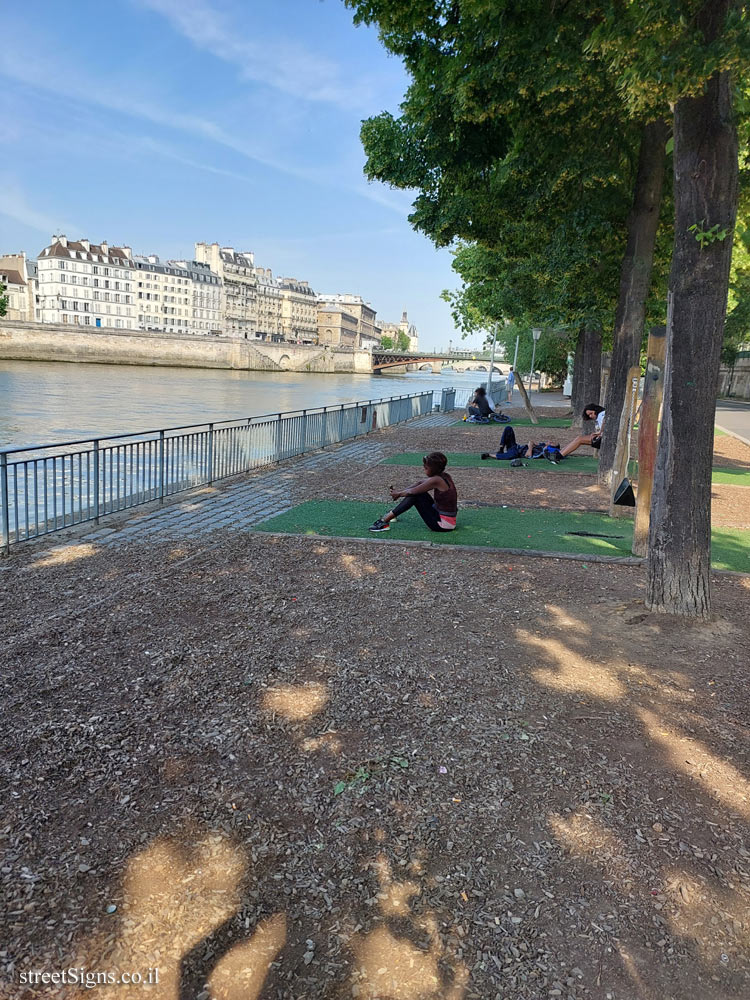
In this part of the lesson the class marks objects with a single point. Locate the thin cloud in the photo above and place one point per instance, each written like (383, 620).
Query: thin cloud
(286, 66)
(33, 73)
(14, 205)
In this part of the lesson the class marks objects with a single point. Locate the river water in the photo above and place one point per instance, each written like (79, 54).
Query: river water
(51, 402)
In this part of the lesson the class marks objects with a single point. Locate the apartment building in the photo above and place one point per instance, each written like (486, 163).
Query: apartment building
(18, 274)
(268, 324)
(239, 283)
(177, 296)
(353, 305)
(86, 284)
(299, 311)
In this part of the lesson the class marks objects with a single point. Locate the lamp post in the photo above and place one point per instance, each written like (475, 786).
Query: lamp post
(536, 334)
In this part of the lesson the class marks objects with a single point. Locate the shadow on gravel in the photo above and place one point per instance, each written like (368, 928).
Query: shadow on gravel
(305, 768)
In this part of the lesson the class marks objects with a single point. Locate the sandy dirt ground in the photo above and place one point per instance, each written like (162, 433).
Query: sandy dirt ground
(293, 768)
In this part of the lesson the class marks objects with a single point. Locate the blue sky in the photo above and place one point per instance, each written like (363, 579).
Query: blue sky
(157, 123)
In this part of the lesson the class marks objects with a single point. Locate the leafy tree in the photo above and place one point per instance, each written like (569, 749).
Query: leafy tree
(386, 342)
(688, 55)
(517, 142)
(3, 300)
(485, 139)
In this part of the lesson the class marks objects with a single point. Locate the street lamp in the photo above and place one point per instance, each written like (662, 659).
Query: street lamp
(536, 334)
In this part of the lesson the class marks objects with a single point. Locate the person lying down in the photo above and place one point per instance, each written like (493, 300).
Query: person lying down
(510, 448)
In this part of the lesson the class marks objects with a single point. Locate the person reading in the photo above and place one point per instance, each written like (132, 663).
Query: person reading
(439, 510)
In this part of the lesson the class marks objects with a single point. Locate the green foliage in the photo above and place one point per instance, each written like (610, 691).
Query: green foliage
(705, 237)
(3, 300)
(400, 342)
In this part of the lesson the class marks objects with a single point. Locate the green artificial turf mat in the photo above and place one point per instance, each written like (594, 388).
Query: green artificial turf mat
(487, 526)
(496, 527)
(718, 433)
(520, 422)
(583, 465)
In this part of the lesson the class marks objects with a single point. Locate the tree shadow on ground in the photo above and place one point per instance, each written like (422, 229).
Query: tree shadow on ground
(543, 784)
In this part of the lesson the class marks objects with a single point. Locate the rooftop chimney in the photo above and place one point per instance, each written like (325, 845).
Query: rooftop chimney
(85, 244)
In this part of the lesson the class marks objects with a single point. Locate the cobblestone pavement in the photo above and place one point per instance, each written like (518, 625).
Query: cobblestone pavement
(243, 502)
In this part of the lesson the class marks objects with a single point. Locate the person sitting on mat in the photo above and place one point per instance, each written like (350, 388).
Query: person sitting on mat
(479, 408)
(438, 511)
(591, 411)
(510, 448)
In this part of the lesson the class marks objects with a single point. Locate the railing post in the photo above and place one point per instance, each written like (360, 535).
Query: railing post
(341, 423)
(325, 427)
(96, 482)
(278, 438)
(161, 466)
(304, 431)
(210, 454)
(5, 517)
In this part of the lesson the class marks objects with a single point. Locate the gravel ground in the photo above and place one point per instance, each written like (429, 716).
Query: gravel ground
(292, 768)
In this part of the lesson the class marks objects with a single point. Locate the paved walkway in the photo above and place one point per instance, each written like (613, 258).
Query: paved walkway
(242, 502)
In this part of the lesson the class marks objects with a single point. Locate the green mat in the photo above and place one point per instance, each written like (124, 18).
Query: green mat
(582, 465)
(520, 422)
(496, 527)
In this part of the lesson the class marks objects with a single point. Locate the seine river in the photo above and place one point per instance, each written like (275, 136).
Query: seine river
(51, 402)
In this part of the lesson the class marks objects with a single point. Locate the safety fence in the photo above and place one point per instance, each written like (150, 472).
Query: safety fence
(44, 488)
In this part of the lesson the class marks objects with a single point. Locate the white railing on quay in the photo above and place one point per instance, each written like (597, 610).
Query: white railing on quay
(45, 488)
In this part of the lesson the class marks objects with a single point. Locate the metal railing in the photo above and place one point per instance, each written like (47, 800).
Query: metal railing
(45, 488)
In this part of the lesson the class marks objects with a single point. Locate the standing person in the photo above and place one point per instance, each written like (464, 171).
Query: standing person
(510, 382)
(591, 411)
(438, 511)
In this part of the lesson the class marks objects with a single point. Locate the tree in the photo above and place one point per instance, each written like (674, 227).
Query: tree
(491, 81)
(689, 56)
(518, 141)
(3, 300)
(386, 342)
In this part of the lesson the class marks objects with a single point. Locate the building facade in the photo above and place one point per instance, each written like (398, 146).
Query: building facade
(337, 327)
(268, 323)
(299, 311)
(18, 274)
(239, 287)
(394, 329)
(87, 284)
(354, 305)
(177, 296)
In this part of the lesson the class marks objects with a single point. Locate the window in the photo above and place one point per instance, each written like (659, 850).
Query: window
(87, 321)
(95, 270)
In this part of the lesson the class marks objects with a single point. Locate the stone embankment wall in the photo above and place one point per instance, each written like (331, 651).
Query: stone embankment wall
(50, 342)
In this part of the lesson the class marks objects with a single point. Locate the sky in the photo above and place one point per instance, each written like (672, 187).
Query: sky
(158, 123)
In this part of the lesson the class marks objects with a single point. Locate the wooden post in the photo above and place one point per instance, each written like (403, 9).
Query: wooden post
(653, 392)
(525, 398)
(622, 452)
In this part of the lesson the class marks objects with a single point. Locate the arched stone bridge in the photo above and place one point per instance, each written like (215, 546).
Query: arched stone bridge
(459, 361)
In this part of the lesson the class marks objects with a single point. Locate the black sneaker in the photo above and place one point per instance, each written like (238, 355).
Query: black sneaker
(380, 525)
(485, 454)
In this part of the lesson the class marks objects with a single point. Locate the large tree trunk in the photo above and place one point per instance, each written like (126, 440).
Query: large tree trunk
(635, 279)
(587, 369)
(706, 188)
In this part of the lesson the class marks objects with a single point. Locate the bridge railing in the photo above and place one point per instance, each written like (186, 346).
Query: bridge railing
(45, 488)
